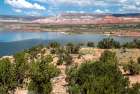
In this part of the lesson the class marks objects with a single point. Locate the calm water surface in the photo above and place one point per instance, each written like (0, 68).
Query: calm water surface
(14, 41)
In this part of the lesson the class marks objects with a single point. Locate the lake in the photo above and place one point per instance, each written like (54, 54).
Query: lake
(15, 41)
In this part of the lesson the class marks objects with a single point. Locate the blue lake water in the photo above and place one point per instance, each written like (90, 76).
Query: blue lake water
(15, 41)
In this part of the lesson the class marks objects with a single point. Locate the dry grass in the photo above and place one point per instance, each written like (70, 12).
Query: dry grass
(130, 54)
(123, 56)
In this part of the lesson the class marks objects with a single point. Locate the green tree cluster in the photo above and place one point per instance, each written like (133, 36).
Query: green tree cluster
(12, 75)
(16, 74)
(72, 48)
(108, 43)
(8, 82)
(40, 74)
(54, 45)
(21, 67)
(64, 57)
(134, 44)
(100, 77)
(90, 44)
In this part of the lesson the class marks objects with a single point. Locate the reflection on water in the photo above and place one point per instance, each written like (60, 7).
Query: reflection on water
(6, 36)
(12, 42)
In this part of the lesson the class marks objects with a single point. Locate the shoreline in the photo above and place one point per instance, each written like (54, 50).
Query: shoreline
(68, 32)
(123, 34)
(122, 30)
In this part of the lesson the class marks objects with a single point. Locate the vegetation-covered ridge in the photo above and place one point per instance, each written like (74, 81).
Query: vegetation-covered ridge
(27, 72)
(34, 69)
(100, 77)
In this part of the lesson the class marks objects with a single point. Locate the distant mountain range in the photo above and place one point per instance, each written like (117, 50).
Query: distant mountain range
(75, 18)
(100, 15)
(18, 18)
(82, 18)
(127, 15)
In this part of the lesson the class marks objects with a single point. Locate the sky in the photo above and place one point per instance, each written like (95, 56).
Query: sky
(55, 7)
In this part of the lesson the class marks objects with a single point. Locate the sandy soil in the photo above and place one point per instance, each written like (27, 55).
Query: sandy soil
(59, 83)
(126, 33)
(21, 91)
(134, 79)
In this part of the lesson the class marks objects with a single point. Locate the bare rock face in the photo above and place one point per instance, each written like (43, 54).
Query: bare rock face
(59, 84)
(88, 19)
(21, 91)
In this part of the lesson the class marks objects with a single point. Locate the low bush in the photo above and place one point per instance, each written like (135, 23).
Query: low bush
(108, 43)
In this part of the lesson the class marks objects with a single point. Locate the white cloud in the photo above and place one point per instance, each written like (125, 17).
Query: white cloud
(18, 10)
(72, 11)
(41, 1)
(99, 11)
(96, 6)
(33, 13)
(77, 2)
(24, 4)
(82, 2)
(131, 6)
(124, 5)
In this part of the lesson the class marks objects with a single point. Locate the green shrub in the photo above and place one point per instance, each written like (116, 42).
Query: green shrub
(21, 67)
(97, 78)
(135, 89)
(41, 74)
(102, 77)
(138, 60)
(133, 44)
(8, 80)
(90, 44)
(109, 56)
(132, 67)
(108, 43)
(72, 48)
(54, 45)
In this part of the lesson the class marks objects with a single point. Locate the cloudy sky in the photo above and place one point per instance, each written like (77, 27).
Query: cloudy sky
(53, 7)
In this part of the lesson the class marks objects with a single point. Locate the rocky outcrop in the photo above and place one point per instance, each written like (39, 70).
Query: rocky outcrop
(88, 19)
(59, 83)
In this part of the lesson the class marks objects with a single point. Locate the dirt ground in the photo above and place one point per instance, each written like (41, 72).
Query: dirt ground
(123, 56)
